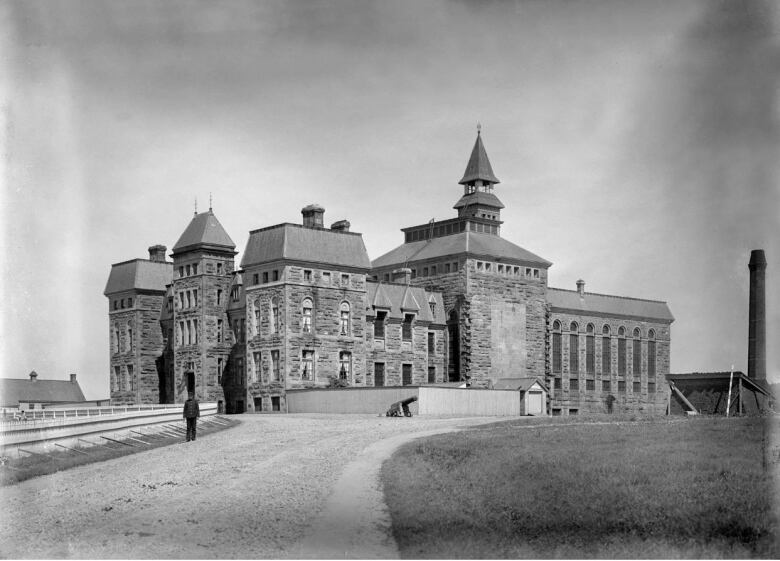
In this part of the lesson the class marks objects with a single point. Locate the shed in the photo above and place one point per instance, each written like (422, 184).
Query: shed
(533, 393)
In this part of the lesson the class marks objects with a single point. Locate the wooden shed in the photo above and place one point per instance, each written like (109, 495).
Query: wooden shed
(533, 394)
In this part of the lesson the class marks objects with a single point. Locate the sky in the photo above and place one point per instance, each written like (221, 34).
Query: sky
(636, 143)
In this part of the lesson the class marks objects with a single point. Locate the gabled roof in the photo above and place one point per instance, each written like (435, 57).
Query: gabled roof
(569, 300)
(521, 384)
(479, 198)
(14, 390)
(394, 295)
(204, 230)
(310, 245)
(139, 274)
(473, 244)
(409, 302)
(479, 165)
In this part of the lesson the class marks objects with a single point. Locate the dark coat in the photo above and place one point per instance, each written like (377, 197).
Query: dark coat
(191, 409)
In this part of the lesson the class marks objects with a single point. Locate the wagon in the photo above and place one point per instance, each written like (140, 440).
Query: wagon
(401, 408)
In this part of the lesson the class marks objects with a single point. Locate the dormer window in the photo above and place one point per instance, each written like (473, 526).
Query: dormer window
(406, 327)
(379, 325)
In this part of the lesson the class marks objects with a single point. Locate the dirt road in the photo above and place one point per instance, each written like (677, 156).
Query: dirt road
(283, 486)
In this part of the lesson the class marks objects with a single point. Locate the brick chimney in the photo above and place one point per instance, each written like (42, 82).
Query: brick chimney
(313, 216)
(403, 275)
(72, 378)
(157, 253)
(341, 226)
(581, 288)
(33, 376)
(756, 368)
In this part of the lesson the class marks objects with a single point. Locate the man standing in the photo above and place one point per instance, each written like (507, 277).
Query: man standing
(191, 414)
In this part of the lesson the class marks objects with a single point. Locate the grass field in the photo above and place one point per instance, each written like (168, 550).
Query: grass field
(683, 488)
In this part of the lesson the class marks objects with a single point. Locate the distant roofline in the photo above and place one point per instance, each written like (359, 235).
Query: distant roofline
(328, 266)
(142, 259)
(455, 220)
(468, 255)
(283, 224)
(608, 295)
(204, 246)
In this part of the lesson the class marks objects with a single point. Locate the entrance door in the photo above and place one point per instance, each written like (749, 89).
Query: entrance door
(534, 402)
(190, 382)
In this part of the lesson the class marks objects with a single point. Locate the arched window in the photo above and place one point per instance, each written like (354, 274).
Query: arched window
(637, 353)
(307, 365)
(590, 350)
(307, 309)
(557, 359)
(129, 342)
(651, 354)
(574, 349)
(621, 351)
(606, 352)
(273, 320)
(344, 318)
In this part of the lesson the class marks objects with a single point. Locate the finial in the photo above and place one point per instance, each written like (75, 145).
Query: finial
(479, 127)
(209, 202)
(196, 206)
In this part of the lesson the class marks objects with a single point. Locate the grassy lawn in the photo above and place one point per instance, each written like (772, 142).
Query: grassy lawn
(685, 488)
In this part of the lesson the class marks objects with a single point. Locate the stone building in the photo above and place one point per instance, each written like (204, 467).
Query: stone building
(454, 302)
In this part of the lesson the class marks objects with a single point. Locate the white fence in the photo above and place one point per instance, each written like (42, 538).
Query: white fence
(463, 401)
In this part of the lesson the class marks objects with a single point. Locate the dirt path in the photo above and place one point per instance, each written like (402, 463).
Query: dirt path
(274, 487)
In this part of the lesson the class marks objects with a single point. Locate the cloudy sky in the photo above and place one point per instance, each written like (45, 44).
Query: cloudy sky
(636, 143)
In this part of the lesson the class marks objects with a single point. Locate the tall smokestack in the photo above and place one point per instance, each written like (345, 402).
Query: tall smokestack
(757, 317)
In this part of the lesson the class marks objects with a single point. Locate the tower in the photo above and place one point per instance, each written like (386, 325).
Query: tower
(478, 201)
(203, 262)
(757, 317)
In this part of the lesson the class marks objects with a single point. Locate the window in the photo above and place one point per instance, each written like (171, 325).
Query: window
(220, 331)
(431, 374)
(181, 299)
(528, 272)
(219, 297)
(116, 378)
(129, 382)
(574, 384)
(606, 352)
(256, 363)
(194, 268)
(275, 365)
(622, 386)
(195, 297)
(606, 385)
(344, 318)
(274, 319)
(574, 349)
(446, 267)
(637, 353)
(651, 387)
(219, 268)
(590, 350)
(379, 374)
(240, 371)
(432, 305)
(344, 280)
(650, 356)
(189, 270)
(326, 278)
(431, 342)
(307, 365)
(425, 271)
(242, 330)
(276, 403)
(220, 370)
(307, 275)
(386, 277)
(256, 278)
(590, 385)
(621, 351)
(637, 387)
(275, 275)
(406, 373)
(115, 341)
(195, 331)
(129, 302)
(129, 341)
(379, 325)
(258, 320)
(536, 273)
(235, 293)
(557, 360)
(556, 383)
(181, 271)
(306, 315)
(406, 327)
(189, 299)
(433, 269)
(345, 366)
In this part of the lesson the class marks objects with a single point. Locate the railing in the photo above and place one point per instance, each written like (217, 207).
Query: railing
(43, 417)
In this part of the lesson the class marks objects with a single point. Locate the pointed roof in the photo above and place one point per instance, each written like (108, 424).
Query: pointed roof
(381, 299)
(204, 230)
(409, 303)
(479, 165)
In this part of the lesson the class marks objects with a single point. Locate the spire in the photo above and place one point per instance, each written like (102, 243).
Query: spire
(204, 231)
(478, 167)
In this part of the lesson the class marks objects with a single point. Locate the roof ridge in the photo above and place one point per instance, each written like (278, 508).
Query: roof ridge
(609, 295)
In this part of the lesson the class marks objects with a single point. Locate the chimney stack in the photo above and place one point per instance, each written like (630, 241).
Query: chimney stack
(33, 376)
(72, 378)
(157, 253)
(757, 317)
(313, 216)
(403, 275)
(341, 226)
(581, 288)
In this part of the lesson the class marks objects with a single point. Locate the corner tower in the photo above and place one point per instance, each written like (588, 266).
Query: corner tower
(203, 263)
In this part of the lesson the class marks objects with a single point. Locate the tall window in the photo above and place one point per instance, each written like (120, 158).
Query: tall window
(129, 341)
(574, 349)
(556, 348)
(431, 342)
(242, 330)
(195, 297)
(306, 321)
(345, 365)
(220, 331)
(258, 321)
(622, 351)
(219, 269)
(129, 377)
(431, 374)
(257, 362)
(307, 365)
(195, 331)
(220, 370)
(606, 352)
(637, 353)
(406, 373)
(344, 318)
(590, 350)
(379, 374)
(432, 302)
(275, 365)
(116, 378)
(219, 297)
(189, 299)
(274, 319)
(240, 370)
(379, 325)
(406, 327)
(651, 356)
(115, 342)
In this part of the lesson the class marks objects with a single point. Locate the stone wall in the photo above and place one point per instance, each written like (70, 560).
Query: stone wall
(394, 352)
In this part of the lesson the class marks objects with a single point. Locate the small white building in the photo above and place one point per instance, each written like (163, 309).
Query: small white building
(533, 394)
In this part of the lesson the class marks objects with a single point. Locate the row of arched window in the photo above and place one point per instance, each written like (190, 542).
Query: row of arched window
(307, 323)
(606, 350)
(116, 339)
